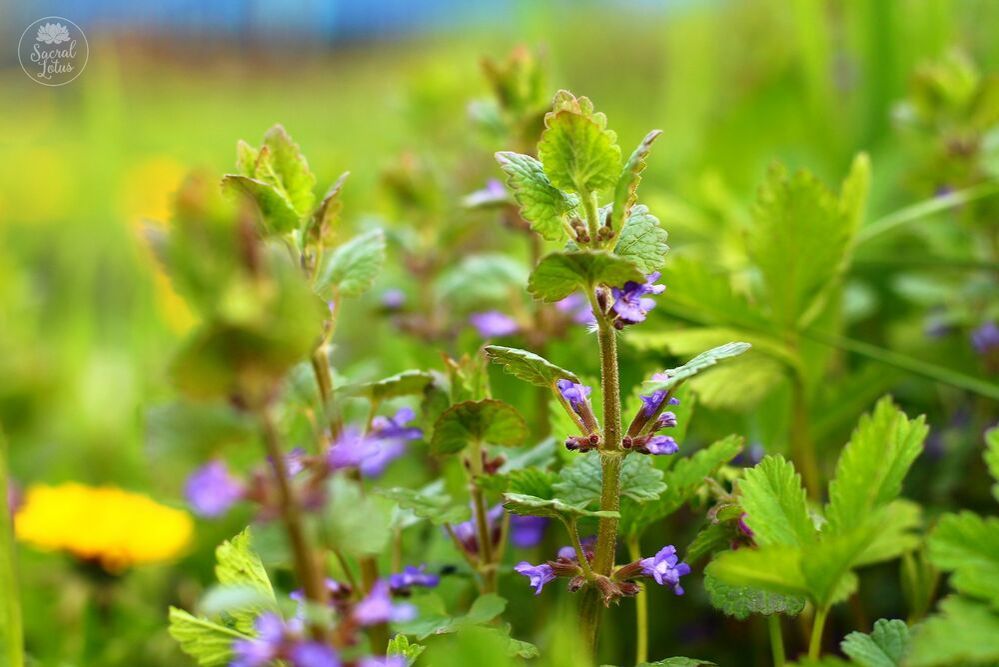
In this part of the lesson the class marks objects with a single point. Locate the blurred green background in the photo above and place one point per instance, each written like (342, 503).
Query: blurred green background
(88, 324)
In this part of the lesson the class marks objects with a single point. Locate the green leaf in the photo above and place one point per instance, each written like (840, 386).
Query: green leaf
(238, 565)
(741, 601)
(626, 190)
(528, 366)
(486, 421)
(560, 274)
(210, 644)
(873, 464)
(900, 525)
(884, 647)
(643, 241)
(480, 280)
(992, 457)
(288, 168)
(328, 211)
(525, 505)
(577, 150)
(968, 545)
(775, 568)
(364, 530)
(279, 215)
(438, 508)
(543, 205)
(826, 564)
(799, 242)
(683, 481)
(401, 384)
(679, 661)
(775, 504)
(580, 482)
(400, 645)
(965, 633)
(701, 362)
(351, 268)
(432, 618)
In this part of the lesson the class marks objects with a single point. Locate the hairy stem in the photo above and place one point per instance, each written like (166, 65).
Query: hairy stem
(776, 639)
(592, 215)
(306, 568)
(610, 464)
(321, 368)
(487, 568)
(641, 608)
(580, 554)
(815, 642)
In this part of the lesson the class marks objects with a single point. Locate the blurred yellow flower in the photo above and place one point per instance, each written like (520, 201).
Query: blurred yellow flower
(115, 528)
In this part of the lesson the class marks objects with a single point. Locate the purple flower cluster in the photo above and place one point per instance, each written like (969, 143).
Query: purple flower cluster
(467, 531)
(372, 452)
(527, 531)
(211, 489)
(985, 338)
(278, 640)
(378, 607)
(576, 395)
(577, 308)
(666, 568)
(538, 575)
(493, 324)
(642, 437)
(402, 582)
(632, 302)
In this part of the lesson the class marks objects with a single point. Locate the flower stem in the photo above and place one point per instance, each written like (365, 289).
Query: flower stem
(610, 464)
(487, 568)
(776, 639)
(815, 642)
(641, 608)
(578, 546)
(802, 448)
(306, 568)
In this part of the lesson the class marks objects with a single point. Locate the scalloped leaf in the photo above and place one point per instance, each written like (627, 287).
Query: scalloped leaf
(741, 601)
(561, 273)
(351, 268)
(643, 241)
(626, 190)
(519, 503)
(968, 545)
(528, 366)
(884, 647)
(542, 204)
(438, 508)
(238, 565)
(579, 154)
(581, 480)
(486, 421)
(405, 383)
(775, 503)
(701, 362)
(276, 209)
(208, 643)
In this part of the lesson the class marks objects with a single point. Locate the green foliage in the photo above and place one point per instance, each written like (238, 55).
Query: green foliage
(351, 268)
(525, 505)
(238, 565)
(528, 366)
(702, 362)
(400, 645)
(884, 647)
(579, 153)
(543, 205)
(678, 661)
(682, 481)
(478, 422)
(992, 457)
(643, 241)
(968, 545)
(364, 530)
(560, 274)
(207, 642)
(741, 601)
(580, 481)
(405, 383)
(438, 508)
(964, 633)
(775, 504)
(626, 190)
(433, 619)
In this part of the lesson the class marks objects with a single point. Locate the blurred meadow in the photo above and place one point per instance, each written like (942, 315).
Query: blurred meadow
(88, 322)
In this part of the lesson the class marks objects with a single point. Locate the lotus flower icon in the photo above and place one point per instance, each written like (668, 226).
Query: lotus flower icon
(53, 33)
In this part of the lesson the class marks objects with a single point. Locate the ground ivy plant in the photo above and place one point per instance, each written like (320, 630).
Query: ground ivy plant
(580, 194)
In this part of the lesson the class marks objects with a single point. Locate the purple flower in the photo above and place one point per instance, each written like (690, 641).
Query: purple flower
(294, 461)
(264, 647)
(467, 531)
(493, 193)
(576, 394)
(666, 420)
(539, 575)
(412, 576)
(389, 436)
(350, 449)
(394, 428)
(631, 303)
(393, 299)
(382, 661)
(661, 444)
(314, 654)
(578, 308)
(985, 338)
(527, 531)
(378, 607)
(211, 490)
(568, 552)
(665, 567)
(493, 324)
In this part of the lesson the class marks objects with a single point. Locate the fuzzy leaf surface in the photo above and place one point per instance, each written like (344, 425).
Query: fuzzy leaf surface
(528, 366)
(542, 204)
(643, 240)
(486, 421)
(560, 274)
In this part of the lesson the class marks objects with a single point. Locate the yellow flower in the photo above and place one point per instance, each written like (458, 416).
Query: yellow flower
(112, 527)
